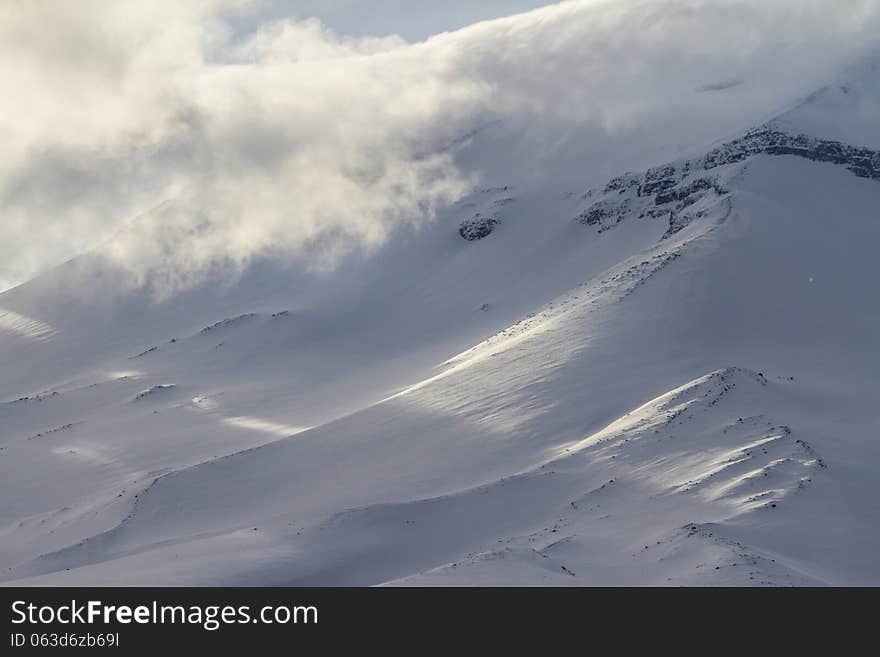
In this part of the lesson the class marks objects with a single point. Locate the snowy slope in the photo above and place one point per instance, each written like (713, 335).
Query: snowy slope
(669, 378)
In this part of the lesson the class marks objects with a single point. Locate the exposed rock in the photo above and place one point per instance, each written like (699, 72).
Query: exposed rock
(604, 213)
(681, 192)
(145, 352)
(658, 179)
(687, 193)
(155, 390)
(227, 322)
(478, 227)
(622, 183)
(767, 140)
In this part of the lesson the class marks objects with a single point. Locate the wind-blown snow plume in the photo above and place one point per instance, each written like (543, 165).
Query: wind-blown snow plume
(213, 149)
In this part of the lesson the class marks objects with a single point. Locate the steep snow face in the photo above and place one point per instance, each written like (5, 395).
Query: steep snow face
(670, 379)
(847, 111)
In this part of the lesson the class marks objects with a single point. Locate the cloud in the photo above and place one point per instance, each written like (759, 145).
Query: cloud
(184, 149)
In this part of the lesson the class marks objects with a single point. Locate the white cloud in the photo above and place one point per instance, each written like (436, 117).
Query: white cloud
(300, 143)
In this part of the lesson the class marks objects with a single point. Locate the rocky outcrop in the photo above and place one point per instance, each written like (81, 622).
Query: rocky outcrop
(155, 390)
(680, 192)
(673, 192)
(478, 227)
(490, 205)
(689, 193)
(229, 321)
(863, 162)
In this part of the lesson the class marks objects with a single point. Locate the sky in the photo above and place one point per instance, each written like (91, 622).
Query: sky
(414, 20)
(186, 138)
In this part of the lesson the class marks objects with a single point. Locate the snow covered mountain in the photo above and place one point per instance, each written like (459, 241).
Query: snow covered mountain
(667, 378)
